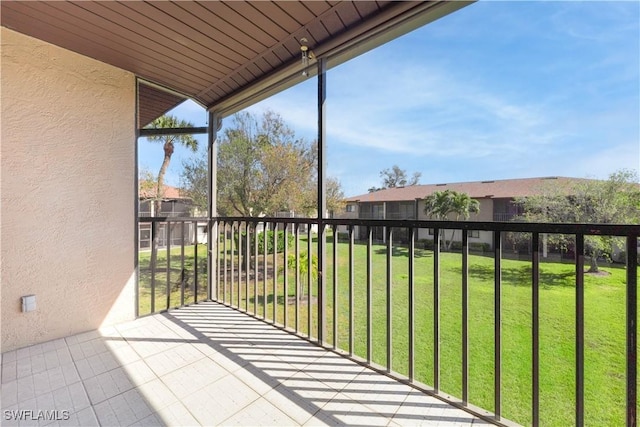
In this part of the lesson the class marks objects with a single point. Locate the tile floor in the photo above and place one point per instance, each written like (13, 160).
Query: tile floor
(204, 365)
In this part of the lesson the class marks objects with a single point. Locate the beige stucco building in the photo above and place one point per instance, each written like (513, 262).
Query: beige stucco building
(68, 191)
(495, 201)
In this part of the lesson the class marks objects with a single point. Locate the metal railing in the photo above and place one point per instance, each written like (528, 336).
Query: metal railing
(504, 216)
(328, 288)
(172, 272)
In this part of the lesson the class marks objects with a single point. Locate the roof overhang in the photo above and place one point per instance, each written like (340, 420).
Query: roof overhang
(225, 55)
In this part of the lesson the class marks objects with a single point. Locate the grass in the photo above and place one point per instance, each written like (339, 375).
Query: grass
(604, 324)
(182, 269)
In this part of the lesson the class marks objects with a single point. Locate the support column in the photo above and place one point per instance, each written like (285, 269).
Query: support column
(215, 123)
(322, 198)
(384, 216)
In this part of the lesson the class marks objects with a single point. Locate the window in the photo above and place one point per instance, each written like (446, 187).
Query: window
(351, 208)
(475, 234)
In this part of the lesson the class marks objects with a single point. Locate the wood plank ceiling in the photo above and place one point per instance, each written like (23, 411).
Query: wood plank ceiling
(215, 52)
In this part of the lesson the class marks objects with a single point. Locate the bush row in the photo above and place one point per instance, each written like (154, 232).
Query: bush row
(270, 239)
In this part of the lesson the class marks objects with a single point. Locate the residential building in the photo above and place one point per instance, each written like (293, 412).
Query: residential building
(172, 204)
(496, 199)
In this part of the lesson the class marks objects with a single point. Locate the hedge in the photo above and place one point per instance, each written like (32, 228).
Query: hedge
(280, 248)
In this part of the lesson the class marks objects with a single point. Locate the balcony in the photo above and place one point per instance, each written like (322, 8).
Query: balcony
(504, 216)
(204, 365)
(456, 326)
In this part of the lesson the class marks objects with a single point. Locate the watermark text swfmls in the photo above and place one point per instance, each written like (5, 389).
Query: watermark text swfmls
(36, 415)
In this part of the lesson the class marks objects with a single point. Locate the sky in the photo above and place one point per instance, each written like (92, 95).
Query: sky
(496, 90)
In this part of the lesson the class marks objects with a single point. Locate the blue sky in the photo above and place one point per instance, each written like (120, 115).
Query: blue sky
(496, 90)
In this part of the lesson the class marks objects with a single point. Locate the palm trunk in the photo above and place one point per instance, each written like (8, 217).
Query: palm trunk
(163, 170)
(453, 232)
(168, 151)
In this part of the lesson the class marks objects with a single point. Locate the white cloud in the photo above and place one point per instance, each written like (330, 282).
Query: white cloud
(507, 114)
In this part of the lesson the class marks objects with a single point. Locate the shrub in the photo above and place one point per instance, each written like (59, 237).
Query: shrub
(479, 247)
(425, 244)
(343, 237)
(270, 233)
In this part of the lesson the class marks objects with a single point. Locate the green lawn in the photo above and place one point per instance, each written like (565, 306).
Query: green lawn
(604, 325)
(177, 272)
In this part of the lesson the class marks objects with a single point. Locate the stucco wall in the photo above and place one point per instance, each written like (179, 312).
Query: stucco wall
(67, 191)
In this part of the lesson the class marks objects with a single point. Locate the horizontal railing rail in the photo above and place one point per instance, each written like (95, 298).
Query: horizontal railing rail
(363, 299)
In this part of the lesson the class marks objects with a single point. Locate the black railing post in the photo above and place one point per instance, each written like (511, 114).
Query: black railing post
(255, 268)
(297, 294)
(195, 264)
(497, 307)
(240, 261)
(232, 256)
(152, 266)
(275, 272)
(389, 238)
(335, 287)
(247, 261)
(465, 317)
(168, 269)
(224, 262)
(632, 330)
(369, 293)
(535, 335)
(183, 274)
(351, 285)
(265, 251)
(436, 309)
(309, 278)
(579, 330)
(285, 268)
(411, 303)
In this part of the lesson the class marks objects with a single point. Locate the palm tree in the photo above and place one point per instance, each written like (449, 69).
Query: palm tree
(463, 206)
(439, 204)
(442, 203)
(303, 267)
(168, 144)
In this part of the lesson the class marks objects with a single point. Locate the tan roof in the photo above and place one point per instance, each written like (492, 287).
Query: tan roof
(169, 193)
(506, 188)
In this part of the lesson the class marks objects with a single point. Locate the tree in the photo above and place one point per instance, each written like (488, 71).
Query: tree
(463, 205)
(303, 267)
(614, 201)
(147, 191)
(168, 145)
(396, 177)
(264, 168)
(335, 195)
(194, 182)
(440, 204)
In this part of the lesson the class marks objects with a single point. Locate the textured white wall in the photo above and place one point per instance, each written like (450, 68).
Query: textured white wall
(67, 164)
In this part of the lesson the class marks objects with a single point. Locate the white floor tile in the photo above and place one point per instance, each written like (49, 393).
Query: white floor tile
(206, 365)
